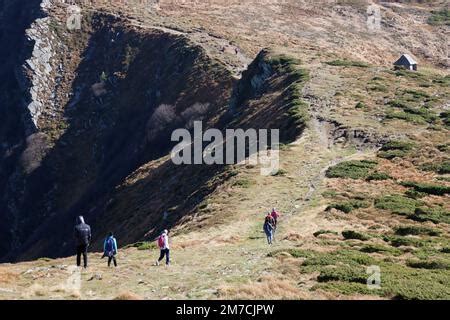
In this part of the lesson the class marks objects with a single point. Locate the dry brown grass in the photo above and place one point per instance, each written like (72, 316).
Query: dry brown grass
(267, 287)
(127, 295)
(7, 276)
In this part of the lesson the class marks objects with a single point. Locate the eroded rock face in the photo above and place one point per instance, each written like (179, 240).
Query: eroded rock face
(15, 123)
(40, 67)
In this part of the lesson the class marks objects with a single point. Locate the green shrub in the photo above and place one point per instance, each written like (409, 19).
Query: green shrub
(413, 194)
(296, 253)
(441, 17)
(344, 207)
(243, 183)
(351, 169)
(409, 117)
(280, 172)
(298, 111)
(445, 116)
(398, 145)
(343, 273)
(347, 63)
(398, 241)
(378, 88)
(318, 233)
(441, 168)
(416, 230)
(397, 204)
(417, 94)
(391, 154)
(329, 194)
(350, 234)
(433, 264)
(398, 104)
(445, 81)
(143, 245)
(372, 248)
(360, 105)
(348, 206)
(435, 189)
(433, 214)
(395, 148)
(378, 176)
(342, 257)
(283, 60)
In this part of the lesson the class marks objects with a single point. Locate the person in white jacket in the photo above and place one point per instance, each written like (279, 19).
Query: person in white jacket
(163, 244)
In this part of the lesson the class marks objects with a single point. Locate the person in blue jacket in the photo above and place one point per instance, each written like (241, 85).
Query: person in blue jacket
(110, 249)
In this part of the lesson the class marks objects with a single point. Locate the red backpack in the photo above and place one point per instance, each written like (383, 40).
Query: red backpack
(161, 241)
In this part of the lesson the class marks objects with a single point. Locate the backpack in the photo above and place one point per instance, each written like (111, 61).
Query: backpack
(109, 247)
(161, 241)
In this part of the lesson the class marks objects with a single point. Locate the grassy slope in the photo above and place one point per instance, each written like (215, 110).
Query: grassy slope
(221, 252)
(232, 251)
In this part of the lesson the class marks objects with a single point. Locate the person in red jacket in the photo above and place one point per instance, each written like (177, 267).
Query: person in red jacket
(275, 215)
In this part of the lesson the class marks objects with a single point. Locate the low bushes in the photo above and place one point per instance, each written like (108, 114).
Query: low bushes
(356, 169)
(397, 204)
(416, 230)
(347, 63)
(378, 176)
(348, 206)
(428, 188)
(395, 149)
(350, 234)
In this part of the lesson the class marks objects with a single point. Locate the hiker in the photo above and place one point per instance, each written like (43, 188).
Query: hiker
(268, 227)
(163, 244)
(83, 239)
(110, 249)
(275, 215)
